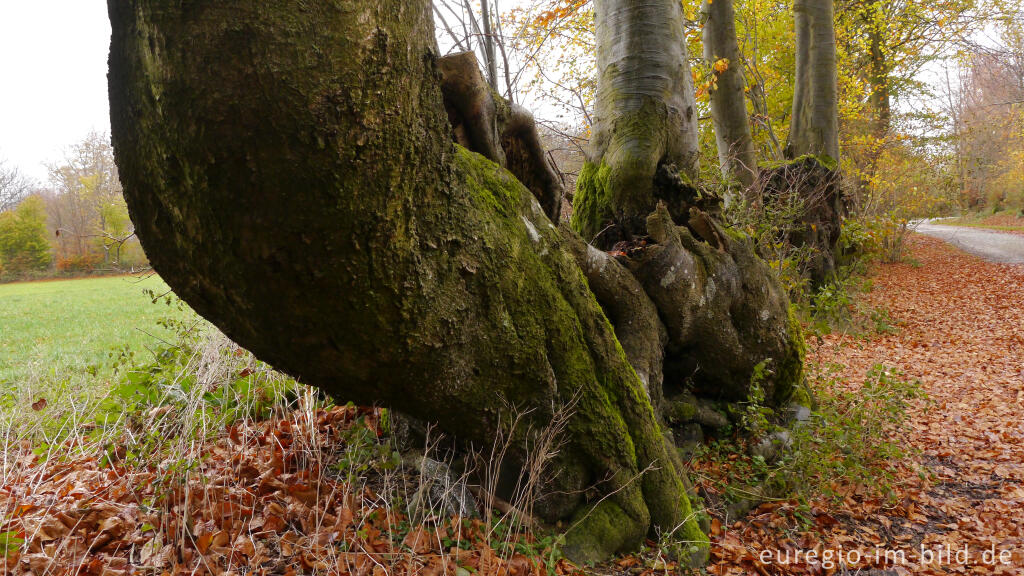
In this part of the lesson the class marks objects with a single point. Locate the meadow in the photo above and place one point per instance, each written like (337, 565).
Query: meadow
(71, 330)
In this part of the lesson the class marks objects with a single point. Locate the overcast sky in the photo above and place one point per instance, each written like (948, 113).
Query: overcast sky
(53, 78)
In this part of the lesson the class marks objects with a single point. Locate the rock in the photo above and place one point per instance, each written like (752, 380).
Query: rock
(709, 416)
(797, 413)
(680, 409)
(684, 408)
(440, 491)
(772, 447)
(688, 437)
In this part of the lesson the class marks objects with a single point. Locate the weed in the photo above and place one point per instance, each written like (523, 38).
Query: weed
(849, 440)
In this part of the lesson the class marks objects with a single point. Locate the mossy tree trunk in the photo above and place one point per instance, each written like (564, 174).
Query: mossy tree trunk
(290, 170)
(645, 117)
(812, 175)
(736, 155)
(814, 129)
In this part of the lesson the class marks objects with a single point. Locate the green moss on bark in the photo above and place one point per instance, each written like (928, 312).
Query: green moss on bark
(615, 431)
(824, 160)
(591, 210)
(790, 384)
(498, 189)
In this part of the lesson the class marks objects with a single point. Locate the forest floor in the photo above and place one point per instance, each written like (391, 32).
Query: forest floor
(958, 504)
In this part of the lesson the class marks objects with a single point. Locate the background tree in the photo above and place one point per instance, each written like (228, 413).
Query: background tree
(989, 114)
(24, 247)
(736, 155)
(890, 42)
(814, 128)
(14, 187)
(87, 211)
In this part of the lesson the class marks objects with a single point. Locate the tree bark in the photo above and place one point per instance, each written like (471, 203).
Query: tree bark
(291, 174)
(645, 117)
(878, 80)
(505, 133)
(814, 128)
(736, 155)
(492, 63)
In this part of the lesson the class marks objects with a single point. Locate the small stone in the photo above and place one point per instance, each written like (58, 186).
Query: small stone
(709, 416)
(688, 437)
(772, 447)
(797, 413)
(440, 491)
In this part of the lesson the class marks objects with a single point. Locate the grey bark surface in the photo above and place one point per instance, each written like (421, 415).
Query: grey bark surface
(645, 112)
(814, 128)
(736, 155)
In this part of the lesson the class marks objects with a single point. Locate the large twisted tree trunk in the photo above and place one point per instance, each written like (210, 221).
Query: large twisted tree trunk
(291, 173)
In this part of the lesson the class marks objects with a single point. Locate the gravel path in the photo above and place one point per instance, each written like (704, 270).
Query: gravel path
(988, 244)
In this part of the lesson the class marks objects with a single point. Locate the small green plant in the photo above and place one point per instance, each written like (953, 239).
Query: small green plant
(832, 307)
(849, 440)
(365, 451)
(9, 543)
(883, 321)
(754, 418)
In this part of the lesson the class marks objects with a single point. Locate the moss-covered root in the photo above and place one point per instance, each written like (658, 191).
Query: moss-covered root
(606, 528)
(614, 439)
(592, 209)
(603, 529)
(631, 312)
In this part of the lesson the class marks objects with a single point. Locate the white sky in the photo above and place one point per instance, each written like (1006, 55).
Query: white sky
(53, 78)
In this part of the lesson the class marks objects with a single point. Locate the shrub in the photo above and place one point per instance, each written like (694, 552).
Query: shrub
(77, 263)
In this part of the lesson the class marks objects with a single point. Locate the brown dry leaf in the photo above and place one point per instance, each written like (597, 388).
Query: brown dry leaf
(420, 541)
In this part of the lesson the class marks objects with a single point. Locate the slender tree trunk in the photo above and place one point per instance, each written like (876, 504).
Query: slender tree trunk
(492, 63)
(290, 173)
(736, 155)
(645, 116)
(878, 80)
(814, 128)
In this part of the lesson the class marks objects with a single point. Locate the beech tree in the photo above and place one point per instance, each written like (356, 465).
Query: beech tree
(736, 155)
(14, 187)
(295, 175)
(811, 179)
(814, 129)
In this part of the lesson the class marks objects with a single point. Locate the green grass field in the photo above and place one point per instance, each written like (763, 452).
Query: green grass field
(67, 329)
